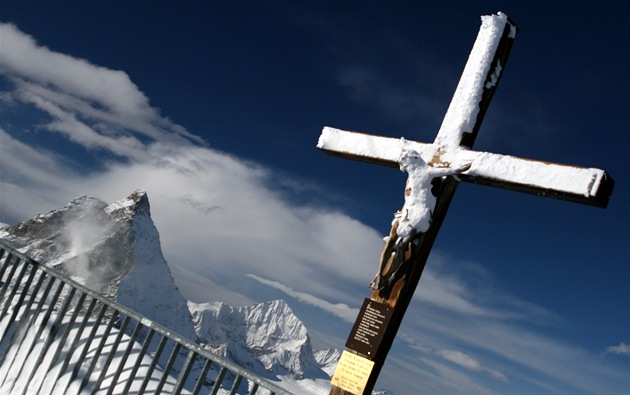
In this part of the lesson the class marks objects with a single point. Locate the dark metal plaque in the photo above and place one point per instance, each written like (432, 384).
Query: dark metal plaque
(369, 328)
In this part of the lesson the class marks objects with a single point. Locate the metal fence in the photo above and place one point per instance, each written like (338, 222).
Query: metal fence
(58, 337)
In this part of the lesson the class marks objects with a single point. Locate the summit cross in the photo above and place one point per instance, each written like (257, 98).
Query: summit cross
(435, 170)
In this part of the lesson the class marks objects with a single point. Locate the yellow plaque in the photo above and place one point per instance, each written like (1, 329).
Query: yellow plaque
(352, 373)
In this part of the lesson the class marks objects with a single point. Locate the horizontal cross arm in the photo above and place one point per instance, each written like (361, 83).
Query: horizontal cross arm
(384, 151)
(577, 184)
(571, 183)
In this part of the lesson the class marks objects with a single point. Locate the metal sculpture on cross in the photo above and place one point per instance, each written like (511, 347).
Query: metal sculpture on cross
(434, 172)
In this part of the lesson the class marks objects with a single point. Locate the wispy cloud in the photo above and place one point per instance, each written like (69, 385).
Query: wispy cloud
(468, 289)
(621, 349)
(31, 179)
(70, 90)
(340, 310)
(470, 362)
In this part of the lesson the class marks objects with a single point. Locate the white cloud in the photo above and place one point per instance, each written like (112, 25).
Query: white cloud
(444, 379)
(471, 363)
(447, 292)
(340, 310)
(621, 349)
(514, 349)
(67, 123)
(67, 87)
(23, 57)
(467, 288)
(32, 181)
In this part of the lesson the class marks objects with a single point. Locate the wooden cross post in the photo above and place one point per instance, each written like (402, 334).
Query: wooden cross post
(403, 261)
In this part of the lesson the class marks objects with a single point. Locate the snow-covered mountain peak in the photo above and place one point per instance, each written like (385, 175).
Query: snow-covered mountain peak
(135, 204)
(113, 249)
(48, 226)
(79, 204)
(274, 322)
(267, 337)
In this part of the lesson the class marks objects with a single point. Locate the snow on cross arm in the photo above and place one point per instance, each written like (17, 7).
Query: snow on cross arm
(462, 113)
(573, 183)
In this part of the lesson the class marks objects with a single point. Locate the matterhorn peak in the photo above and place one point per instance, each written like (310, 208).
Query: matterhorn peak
(135, 204)
(112, 249)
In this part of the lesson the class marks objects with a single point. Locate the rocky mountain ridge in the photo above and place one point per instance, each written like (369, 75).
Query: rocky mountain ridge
(265, 336)
(111, 249)
(115, 250)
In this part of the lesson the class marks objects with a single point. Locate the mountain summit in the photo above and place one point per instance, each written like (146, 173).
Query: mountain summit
(266, 338)
(112, 249)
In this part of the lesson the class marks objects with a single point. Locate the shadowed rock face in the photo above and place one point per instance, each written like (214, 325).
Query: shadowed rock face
(83, 240)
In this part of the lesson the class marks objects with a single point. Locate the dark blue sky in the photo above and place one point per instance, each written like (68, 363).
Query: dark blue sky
(258, 80)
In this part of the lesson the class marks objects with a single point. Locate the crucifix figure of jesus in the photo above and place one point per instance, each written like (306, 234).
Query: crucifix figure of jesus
(434, 172)
(415, 215)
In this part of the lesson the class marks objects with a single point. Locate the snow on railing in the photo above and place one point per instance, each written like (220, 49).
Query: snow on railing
(58, 337)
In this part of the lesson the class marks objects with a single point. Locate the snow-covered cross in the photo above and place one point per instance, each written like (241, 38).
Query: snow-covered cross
(440, 167)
